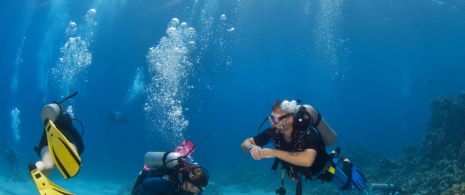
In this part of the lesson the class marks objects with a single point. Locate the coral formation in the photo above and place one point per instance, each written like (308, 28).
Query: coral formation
(439, 166)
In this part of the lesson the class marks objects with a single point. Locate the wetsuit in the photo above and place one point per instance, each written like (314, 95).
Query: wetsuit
(309, 140)
(157, 182)
(157, 186)
(344, 174)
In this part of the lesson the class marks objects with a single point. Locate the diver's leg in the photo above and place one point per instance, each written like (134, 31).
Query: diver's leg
(45, 165)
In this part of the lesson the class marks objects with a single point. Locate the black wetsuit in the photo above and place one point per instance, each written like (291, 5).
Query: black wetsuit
(65, 124)
(155, 182)
(310, 140)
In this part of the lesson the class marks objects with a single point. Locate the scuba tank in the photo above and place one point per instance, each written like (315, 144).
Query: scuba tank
(50, 111)
(161, 159)
(53, 111)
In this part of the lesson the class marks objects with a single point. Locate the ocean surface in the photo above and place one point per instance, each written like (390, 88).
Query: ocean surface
(150, 74)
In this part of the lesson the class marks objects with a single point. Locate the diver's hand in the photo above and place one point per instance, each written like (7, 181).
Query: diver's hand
(267, 153)
(255, 152)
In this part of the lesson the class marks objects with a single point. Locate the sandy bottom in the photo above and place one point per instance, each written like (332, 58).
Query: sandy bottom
(91, 187)
(76, 186)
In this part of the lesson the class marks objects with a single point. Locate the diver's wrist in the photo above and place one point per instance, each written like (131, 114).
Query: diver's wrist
(250, 147)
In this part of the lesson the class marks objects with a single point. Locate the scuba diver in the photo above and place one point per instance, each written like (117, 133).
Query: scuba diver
(60, 146)
(117, 118)
(300, 136)
(171, 173)
(11, 156)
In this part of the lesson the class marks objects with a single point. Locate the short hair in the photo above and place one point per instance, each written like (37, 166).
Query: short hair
(276, 105)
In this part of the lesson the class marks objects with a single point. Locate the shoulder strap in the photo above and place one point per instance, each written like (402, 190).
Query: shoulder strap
(165, 155)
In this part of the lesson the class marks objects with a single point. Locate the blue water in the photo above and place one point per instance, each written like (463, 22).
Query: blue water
(370, 68)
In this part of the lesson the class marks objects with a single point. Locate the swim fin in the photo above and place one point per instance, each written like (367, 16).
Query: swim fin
(65, 157)
(45, 186)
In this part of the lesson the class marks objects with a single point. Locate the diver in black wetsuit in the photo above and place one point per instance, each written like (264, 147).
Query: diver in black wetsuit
(300, 135)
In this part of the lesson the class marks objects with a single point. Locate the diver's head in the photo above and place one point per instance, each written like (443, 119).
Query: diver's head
(282, 113)
(197, 180)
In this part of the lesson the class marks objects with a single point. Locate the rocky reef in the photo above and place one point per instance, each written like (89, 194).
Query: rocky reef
(437, 164)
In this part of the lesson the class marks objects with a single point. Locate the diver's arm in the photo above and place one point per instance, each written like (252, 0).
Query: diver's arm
(327, 133)
(304, 158)
(247, 142)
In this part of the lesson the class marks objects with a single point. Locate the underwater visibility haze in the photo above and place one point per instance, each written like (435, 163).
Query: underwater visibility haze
(153, 73)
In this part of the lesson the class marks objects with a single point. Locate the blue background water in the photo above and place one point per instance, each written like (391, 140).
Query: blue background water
(370, 67)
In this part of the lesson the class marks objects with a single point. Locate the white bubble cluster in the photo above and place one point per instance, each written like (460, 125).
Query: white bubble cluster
(169, 66)
(223, 17)
(70, 111)
(137, 87)
(327, 39)
(75, 54)
(75, 59)
(15, 77)
(174, 22)
(15, 121)
(289, 106)
(72, 29)
(90, 17)
(91, 22)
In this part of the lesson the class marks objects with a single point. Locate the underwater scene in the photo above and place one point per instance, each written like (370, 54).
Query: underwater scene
(132, 97)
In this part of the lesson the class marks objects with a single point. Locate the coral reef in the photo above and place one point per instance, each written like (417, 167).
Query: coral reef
(442, 140)
(438, 168)
(455, 190)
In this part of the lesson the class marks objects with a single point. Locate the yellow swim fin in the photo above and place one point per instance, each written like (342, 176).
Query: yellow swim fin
(65, 157)
(45, 186)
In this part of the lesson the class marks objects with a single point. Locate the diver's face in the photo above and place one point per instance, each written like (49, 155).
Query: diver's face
(279, 119)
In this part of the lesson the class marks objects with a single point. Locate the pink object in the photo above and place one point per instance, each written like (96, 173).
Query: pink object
(186, 148)
(146, 168)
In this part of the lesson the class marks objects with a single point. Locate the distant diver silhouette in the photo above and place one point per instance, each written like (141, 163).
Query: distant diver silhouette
(117, 118)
